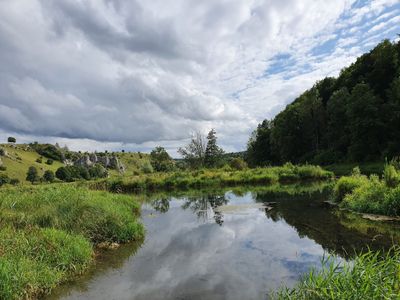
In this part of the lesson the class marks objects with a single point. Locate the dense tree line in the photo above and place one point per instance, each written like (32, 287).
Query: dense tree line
(352, 118)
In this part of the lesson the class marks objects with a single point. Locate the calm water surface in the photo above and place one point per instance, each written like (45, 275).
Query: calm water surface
(226, 245)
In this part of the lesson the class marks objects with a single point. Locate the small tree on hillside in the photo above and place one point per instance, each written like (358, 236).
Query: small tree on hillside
(213, 153)
(32, 175)
(49, 176)
(11, 139)
(194, 152)
(160, 160)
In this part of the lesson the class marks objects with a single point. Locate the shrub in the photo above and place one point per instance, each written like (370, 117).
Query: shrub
(11, 139)
(2, 152)
(147, 167)
(39, 160)
(14, 181)
(391, 176)
(32, 175)
(368, 198)
(49, 176)
(392, 202)
(346, 184)
(3, 168)
(238, 164)
(49, 161)
(4, 179)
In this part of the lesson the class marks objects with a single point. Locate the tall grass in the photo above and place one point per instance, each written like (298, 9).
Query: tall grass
(215, 178)
(372, 275)
(47, 233)
(371, 194)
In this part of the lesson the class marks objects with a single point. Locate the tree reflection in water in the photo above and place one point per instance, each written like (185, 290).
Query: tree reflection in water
(203, 206)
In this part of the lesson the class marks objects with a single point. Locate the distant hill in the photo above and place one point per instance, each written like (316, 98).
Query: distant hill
(352, 118)
(20, 157)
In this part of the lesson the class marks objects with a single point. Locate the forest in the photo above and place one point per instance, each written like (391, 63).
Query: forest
(352, 118)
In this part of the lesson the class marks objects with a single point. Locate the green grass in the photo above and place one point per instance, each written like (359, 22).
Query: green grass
(47, 233)
(213, 178)
(20, 158)
(372, 275)
(370, 194)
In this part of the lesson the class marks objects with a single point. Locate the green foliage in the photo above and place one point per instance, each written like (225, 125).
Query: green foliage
(39, 160)
(4, 179)
(11, 139)
(2, 152)
(34, 260)
(367, 198)
(49, 162)
(213, 153)
(32, 175)
(238, 164)
(160, 160)
(352, 118)
(3, 168)
(48, 151)
(73, 173)
(217, 177)
(346, 185)
(391, 176)
(372, 275)
(99, 216)
(194, 153)
(49, 176)
(147, 168)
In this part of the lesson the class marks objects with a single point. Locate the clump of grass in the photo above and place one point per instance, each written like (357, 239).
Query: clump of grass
(99, 216)
(347, 184)
(35, 260)
(372, 275)
(47, 233)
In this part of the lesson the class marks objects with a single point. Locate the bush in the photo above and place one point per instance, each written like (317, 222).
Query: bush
(11, 139)
(3, 168)
(147, 167)
(49, 161)
(14, 181)
(346, 185)
(39, 160)
(368, 198)
(238, 164)
(2, 152)
(49, 176)
(32, 175)
(4, 179)
(391, 176)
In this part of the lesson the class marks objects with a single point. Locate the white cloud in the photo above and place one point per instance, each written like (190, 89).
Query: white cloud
(143, 73)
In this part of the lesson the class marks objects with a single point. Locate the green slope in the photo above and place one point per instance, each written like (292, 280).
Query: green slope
(20, 157)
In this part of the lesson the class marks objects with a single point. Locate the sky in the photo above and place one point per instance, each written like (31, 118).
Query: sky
(134, 74)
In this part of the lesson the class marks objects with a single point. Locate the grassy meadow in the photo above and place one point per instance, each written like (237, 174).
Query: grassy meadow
(48, 234)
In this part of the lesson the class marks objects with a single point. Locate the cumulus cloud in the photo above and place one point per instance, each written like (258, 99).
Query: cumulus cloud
(133, 74)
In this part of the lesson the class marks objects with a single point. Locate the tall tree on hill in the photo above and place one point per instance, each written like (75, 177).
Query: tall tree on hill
(213, 153)
(32, 175)
(259, 152)
(194, 152)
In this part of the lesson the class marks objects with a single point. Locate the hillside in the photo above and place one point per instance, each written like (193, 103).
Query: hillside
(352, 118)
(20, 157)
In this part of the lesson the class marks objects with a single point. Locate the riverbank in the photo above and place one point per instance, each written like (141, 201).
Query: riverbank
(371, 195)
(48, 234)
(287, 173)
